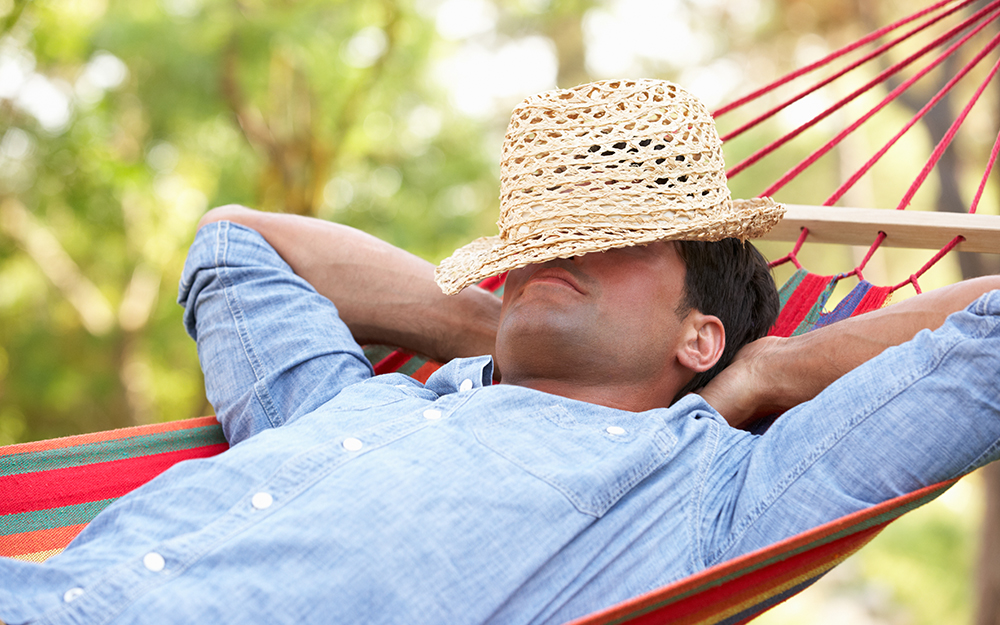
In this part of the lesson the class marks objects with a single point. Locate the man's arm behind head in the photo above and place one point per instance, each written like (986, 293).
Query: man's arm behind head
(384, 294)
(774, 374)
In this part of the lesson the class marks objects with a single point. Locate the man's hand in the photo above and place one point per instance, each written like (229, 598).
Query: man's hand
(740, 392)
(384, 294)
(774, 374)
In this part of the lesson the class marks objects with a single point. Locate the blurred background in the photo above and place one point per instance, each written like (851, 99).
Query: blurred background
(122, 122)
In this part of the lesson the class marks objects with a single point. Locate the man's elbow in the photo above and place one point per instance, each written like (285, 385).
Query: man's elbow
(227, 212)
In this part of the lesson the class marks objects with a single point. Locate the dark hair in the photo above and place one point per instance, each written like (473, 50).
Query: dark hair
(729, 279)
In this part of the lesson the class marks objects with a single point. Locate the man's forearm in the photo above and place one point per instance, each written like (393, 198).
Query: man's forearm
(384, 294)
(775, 374)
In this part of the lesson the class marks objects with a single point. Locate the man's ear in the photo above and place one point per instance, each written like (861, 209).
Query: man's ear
(704, 340)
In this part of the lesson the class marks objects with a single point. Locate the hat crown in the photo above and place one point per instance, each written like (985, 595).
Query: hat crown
(609, 154)
(602, 166)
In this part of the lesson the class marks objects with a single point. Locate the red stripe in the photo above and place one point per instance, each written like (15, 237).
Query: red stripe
(842, 189)
(895, 93)
(392, 362)
(493, 283)
(873, 299)
(764, 583)
(425, 371)
(799, 303)
(42, 490)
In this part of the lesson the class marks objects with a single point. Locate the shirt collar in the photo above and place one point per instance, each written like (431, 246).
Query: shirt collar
(477, 371)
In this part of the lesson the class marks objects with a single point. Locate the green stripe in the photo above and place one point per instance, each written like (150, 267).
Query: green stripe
(411, 365)
(375, 353)
(104, 451)
(51, 518)
(809, 321)
(790, 285)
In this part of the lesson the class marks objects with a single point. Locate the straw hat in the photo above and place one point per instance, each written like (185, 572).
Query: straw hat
(605, 165)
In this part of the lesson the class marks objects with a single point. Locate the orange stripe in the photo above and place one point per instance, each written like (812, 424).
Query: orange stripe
(82, 439)
(16, 545)
(425, 371)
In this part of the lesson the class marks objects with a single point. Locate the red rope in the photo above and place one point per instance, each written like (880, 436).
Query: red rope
(756, 156)
(986, 174)
(923, 111)
(832, 56)
(792, 256)
(864, 261)
(886, 46)
(928, 167)
(914, 276)
(895, 93)
(946, 140)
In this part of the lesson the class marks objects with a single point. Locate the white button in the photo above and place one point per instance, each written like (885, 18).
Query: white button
(432, 414)
(153, 561)
(262, 500)
(352, 444)
(72, 593)
(614, 430)
(466, 385)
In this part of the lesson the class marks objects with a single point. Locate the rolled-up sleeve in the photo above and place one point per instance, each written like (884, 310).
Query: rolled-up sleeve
(271, 347)
(921, 413)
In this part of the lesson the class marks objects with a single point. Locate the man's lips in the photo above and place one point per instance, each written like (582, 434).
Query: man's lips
(555, 275)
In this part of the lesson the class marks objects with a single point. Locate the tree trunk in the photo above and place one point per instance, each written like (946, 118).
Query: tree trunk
(988, 578)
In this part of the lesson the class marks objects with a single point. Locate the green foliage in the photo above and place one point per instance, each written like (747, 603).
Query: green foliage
(157, 111)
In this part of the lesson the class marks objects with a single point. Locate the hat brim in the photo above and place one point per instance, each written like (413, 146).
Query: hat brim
(490, 256)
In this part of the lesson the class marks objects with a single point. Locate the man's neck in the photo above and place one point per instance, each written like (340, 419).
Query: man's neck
(621, 396)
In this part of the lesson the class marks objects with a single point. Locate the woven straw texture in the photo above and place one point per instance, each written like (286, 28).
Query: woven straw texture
(604, 165)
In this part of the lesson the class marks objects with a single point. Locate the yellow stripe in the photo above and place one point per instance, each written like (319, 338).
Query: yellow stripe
(38, 556)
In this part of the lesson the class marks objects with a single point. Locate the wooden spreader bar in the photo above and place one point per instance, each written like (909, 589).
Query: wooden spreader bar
(909, 228)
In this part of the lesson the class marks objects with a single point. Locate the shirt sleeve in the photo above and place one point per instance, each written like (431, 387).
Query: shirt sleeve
(920, 413)
(270, 346)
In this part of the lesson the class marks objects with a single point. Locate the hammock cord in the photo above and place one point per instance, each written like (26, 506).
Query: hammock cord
(986, 174)
(893, 95)
(923, 111)
(880, 78)
(830, 57)
(873, 54)
(971, 26)
(947, 139)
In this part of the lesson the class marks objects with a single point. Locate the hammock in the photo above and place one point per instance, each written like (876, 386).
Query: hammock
(52, 489)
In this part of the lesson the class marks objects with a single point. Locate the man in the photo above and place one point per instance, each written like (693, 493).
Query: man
(571, 485)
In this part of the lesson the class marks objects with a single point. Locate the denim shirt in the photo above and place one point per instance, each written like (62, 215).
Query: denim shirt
(348, 498)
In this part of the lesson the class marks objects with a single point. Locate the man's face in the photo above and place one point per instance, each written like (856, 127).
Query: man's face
(593, 319)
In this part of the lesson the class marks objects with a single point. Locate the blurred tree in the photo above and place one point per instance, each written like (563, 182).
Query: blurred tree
(121, 122)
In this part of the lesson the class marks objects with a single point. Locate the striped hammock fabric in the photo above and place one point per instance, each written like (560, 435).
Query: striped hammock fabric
(52, 489)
